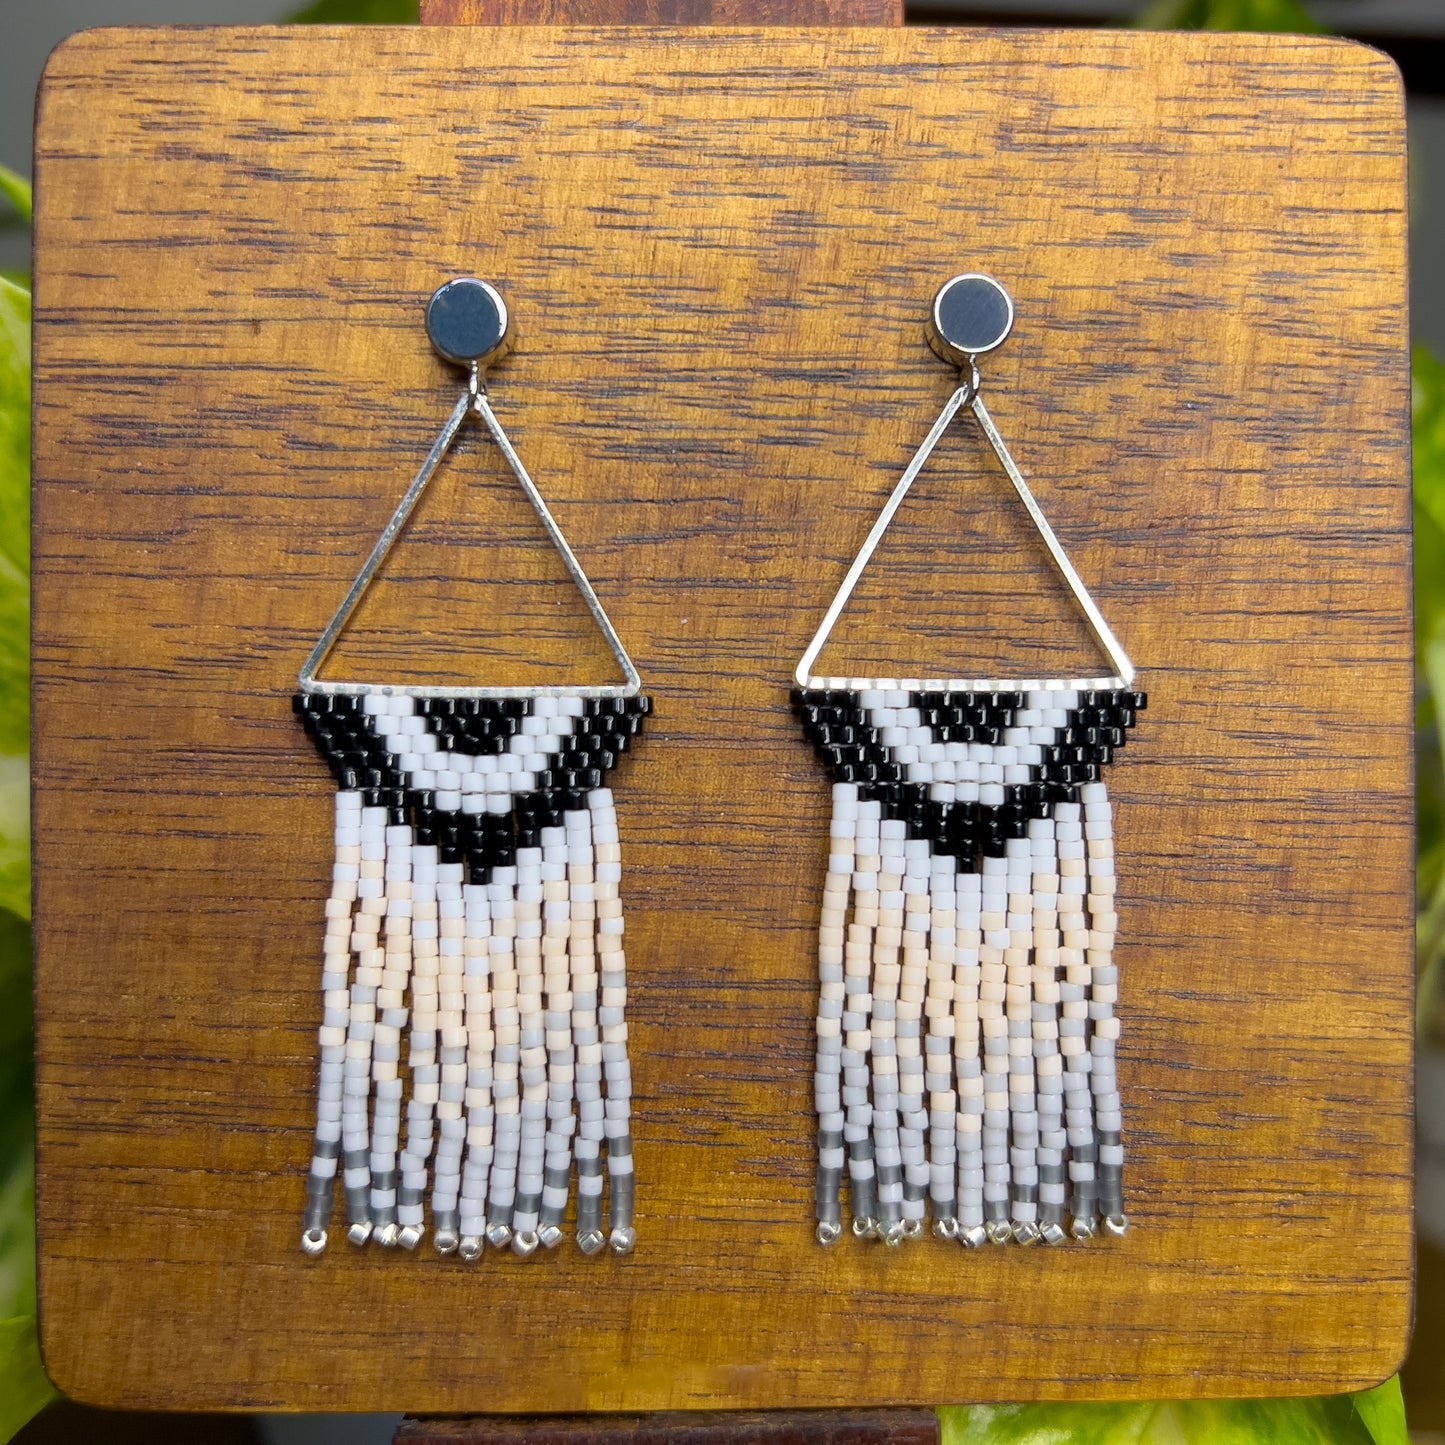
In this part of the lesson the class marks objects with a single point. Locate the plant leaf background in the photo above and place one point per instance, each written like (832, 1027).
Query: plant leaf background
(1376, 1416)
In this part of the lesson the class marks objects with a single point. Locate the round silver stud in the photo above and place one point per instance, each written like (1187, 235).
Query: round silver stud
(468, 323)
(974, 1237)
(1027, 1233)
(828, 1231)
(445, 1241)
(913, 1229)
(1000, 1231)
(313, 1241)
(1082, 1228)
(550, 1236)
(471, 1247)
(525, 1242)
(971, 314)
(1053, 1233)
(945, 1228)
(410, 1236)
(591, 1241)
(623, 1241)
(499, 1236)
(387, 1236)
(1116, 1224)
(865, 1228)
(891, 1233)
(359, 1233)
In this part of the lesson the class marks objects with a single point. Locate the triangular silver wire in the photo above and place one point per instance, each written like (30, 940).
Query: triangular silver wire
(474, 399)
(967, 395)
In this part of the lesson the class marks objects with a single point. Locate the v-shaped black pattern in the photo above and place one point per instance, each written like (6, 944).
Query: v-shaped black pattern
(843, 727)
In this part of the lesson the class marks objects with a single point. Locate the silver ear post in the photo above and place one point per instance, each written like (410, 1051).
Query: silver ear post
(971, 315)
(469, 325)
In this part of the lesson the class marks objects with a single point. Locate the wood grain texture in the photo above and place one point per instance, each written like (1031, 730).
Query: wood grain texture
(719, 247)
(700, 1427)
(662, 12)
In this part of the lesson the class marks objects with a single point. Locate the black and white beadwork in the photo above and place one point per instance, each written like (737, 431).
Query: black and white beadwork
(966, 1033)
(475, 909)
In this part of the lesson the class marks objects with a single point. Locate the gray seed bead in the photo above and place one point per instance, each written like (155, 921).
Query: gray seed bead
(863, 1198)
(826, 1194)
(620, 1201)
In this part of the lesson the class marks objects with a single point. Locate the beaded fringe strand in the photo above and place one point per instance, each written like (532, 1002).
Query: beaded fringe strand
(475, 906)
(966, 1028)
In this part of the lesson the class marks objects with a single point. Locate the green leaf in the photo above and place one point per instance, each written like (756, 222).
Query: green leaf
(1283, 16)
(17, 192)
(14, 597)
(1383, 1412)
(24, 1390)
(358, 12)
(1375, 1417)
(1427, 428)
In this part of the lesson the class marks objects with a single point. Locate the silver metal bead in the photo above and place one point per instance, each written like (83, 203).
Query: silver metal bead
(591, 1241)
(945, 1228)
(525, 1242)
(313, 1241)
(1053, 1233)
(550, 1235)
(891, 1233)
(1082, 1228)
(1027, 1233)
(410, 1236)
(358, 1234)
(499, 1236)
(471, 1247)
(974, 1237)
(623, 1241)
(913, 1229)
(387, 1236)
(1116, 1224)
(865, 1228)
(828, 1232)
(1000, 1231)
(445, 1241)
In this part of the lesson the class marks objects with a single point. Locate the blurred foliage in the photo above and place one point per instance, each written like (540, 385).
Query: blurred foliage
(23, 1386)
(357, 12)
(1373, 1417)
(1283, 16)
(1428, 428)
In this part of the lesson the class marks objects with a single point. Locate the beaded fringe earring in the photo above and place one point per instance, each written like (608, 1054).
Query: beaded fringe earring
(475, 902)
(966, 1032)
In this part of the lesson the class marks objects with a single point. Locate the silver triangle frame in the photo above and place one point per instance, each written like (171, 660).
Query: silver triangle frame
(473, 402)
(967, 394)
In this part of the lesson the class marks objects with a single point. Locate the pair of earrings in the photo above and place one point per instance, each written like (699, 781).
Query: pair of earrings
(965, 1030)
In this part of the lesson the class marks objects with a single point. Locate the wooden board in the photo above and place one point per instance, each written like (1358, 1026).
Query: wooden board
(719, 247)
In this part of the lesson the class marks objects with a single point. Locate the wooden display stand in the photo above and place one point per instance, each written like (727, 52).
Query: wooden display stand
(719, 247)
